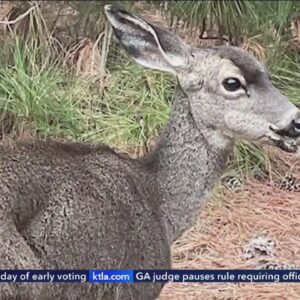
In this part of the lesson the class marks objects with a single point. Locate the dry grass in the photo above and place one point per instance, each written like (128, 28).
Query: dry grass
(255, 48)
(225, 229)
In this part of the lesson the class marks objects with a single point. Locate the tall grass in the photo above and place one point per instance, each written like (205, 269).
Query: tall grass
(285, 71)
(134, 106)
(37, 93)
(236, 19)
(50, 101)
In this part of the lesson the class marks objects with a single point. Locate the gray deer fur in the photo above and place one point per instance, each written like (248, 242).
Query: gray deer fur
(80, 206)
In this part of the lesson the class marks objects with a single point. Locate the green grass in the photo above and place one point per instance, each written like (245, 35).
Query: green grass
(286, 74)
(38, 94)
(134, 106)
(50, 101)
(249, 159)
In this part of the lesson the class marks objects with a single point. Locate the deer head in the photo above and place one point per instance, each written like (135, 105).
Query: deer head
(227, 88)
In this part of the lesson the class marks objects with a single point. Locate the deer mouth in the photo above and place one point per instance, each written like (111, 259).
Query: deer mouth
(287, 144)
(280, 139)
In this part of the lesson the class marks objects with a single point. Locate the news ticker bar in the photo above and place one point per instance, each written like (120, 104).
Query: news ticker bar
(136, 276)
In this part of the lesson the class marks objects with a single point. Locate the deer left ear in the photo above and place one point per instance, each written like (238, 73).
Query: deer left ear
(149, 45)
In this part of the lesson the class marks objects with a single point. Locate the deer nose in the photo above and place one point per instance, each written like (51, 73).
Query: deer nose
(296, 125)
(292, 130)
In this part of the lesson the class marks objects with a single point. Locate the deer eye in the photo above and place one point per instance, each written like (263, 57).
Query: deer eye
(232, 84)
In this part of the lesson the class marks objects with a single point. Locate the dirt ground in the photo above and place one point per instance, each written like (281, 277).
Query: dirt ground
(257, 227)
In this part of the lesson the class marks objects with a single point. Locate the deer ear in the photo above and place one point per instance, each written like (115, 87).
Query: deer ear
(149, 45)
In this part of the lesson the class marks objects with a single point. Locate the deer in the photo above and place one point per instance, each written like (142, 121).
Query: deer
(74, 205)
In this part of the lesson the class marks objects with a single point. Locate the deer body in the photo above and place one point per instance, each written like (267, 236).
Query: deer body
(70, 221)
(78, 206)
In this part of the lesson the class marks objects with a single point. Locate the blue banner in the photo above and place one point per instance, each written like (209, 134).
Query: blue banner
(121, 276)
(139, 276)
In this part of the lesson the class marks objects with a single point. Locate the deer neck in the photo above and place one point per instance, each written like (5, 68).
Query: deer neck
(188, 160)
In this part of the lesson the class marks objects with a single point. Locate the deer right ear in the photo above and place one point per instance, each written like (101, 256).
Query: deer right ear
(149, 45)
